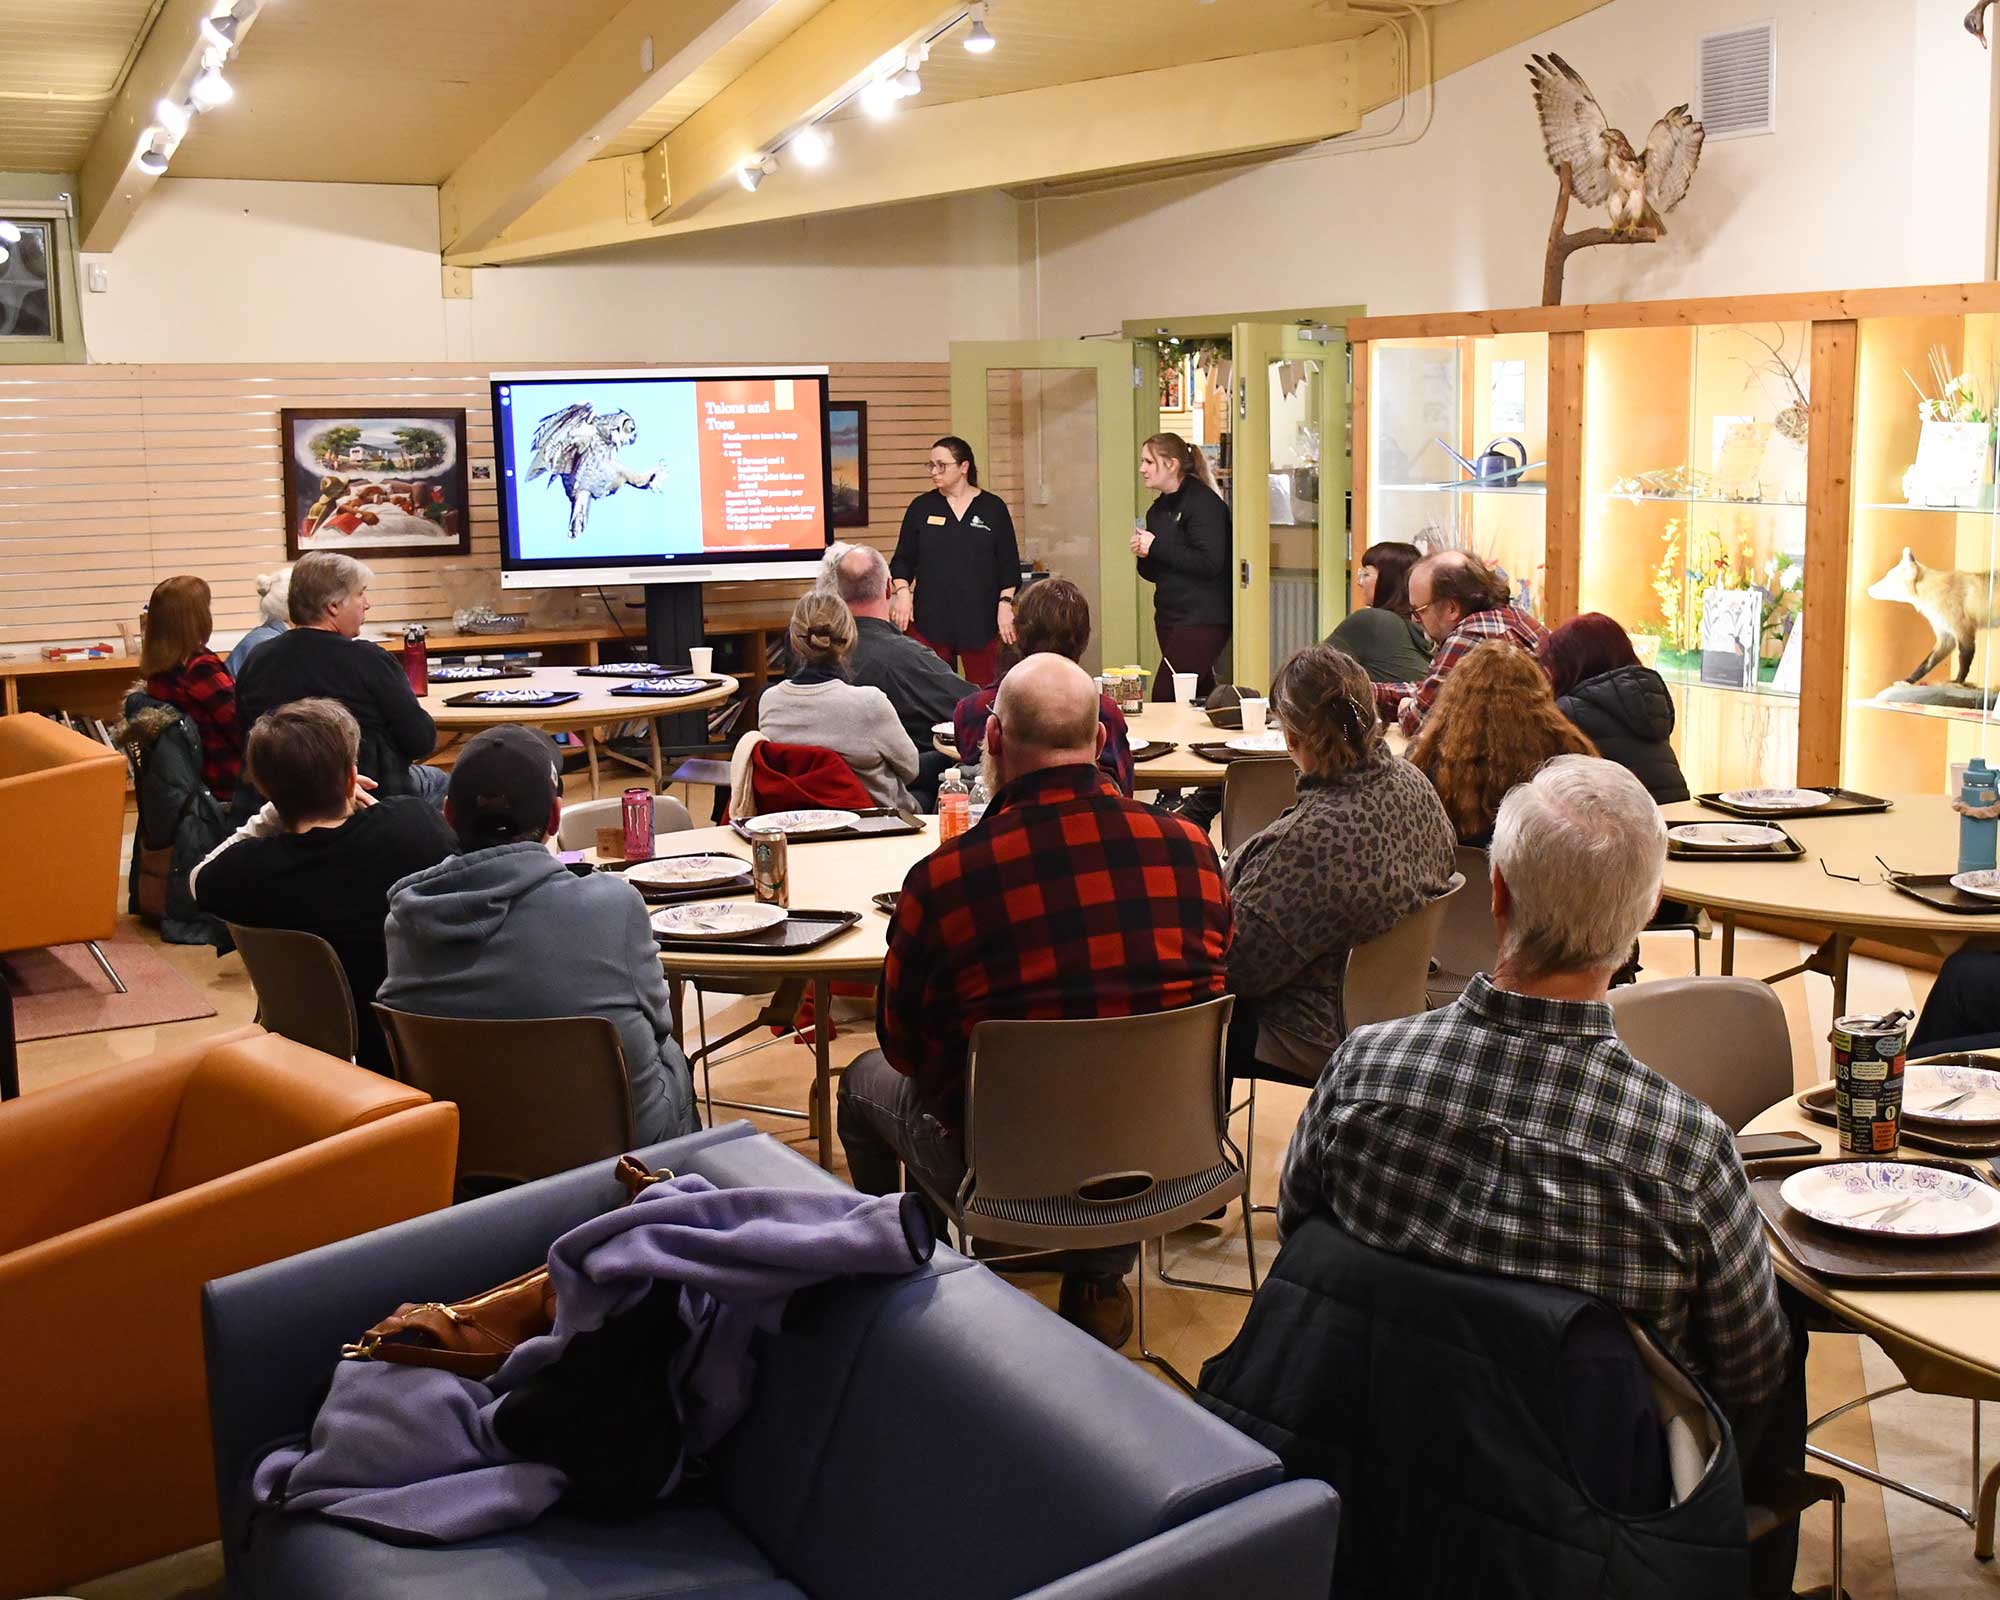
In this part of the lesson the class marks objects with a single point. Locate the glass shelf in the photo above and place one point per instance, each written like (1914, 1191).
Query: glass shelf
(1704, 500)
(1910, 709)
(1463, 488)
(1941, 511)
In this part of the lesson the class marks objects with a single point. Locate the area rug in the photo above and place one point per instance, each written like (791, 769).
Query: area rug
(60, 990)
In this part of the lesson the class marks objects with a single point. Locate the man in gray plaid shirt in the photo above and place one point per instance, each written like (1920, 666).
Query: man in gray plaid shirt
(1512, 1133)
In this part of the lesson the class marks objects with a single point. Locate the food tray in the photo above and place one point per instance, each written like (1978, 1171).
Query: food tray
(632, 669)
(1790, 850)
(1153, 749)
(656, 895)
(1840, 803)
(1817, 1103)
(801, 930)
(869, 824)
(886, 901)
(663, 688)
(1222, 755)
(449, 673)
(1934, 889)
(1856, 1258)
(514, 699)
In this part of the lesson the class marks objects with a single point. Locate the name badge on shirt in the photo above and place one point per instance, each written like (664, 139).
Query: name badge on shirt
(935, 522)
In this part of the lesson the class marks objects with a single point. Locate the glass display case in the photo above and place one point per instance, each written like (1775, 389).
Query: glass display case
(1694, 530)
(1458, 450)
(1920, 675)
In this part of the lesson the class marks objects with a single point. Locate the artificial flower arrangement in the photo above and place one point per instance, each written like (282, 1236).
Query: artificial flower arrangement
(1779, 579)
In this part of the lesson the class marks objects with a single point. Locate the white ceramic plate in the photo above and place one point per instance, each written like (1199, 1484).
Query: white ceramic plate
(1270, 742)
(1931, 1091)
(1775, 799)
(1984, 884)
(801, 822)
(1867, 1197)
(688, 872)
(1726, 835)
(730, 919)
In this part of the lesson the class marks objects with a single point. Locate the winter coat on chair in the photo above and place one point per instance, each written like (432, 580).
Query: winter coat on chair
(179, 821)
(1629, 715)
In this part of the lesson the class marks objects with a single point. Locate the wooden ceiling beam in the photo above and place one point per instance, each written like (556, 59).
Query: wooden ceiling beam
(825, 59)
(595, 95)
(1273, 101)
(111, 185)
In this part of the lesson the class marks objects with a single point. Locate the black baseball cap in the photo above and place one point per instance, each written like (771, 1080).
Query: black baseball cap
(502, 786)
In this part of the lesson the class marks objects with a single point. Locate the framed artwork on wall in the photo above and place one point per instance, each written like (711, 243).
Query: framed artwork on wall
(375, 483)
(847, 449)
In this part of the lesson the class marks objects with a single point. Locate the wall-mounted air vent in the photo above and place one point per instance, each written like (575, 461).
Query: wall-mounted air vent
(1736, 81)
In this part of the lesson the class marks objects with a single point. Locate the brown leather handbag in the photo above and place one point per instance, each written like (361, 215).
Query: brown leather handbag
(472, 1338)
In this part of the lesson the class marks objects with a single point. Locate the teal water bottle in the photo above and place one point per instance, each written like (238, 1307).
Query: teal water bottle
(1976, 835)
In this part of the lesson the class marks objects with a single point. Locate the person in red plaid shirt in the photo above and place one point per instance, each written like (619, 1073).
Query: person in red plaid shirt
(1067, 900)
(1461, 602)
(181, 670)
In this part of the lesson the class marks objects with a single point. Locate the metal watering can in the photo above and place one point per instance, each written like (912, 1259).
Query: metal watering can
(1498, 468)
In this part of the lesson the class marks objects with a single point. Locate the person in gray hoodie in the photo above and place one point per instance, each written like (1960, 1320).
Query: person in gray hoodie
(504, 929)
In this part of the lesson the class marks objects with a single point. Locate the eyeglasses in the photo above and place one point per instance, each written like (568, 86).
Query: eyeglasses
(1866, 883)
(1418, 611)
(942, 466)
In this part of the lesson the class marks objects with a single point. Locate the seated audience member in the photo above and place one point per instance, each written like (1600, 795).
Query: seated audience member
(1460, 602)
(1495, 723)
(827, 579)
(1068, 900)
(1382, 635)
(181, 670)
(323, 655)
(1962, 1011)
(816, 705)
(322, 854)
(1053, 616)
(504, 929)
(1365, 844)
(919, 685)
(1621, 707)
(1511, 1133)
(273, 611)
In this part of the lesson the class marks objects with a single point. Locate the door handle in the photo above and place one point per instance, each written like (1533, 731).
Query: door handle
(1243, 573)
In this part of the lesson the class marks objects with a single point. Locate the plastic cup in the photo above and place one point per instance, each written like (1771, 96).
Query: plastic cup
(1253, 715)
(1184, 683)
(701, 659)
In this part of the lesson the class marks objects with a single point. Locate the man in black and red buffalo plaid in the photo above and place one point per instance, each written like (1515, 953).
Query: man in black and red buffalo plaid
(1066, 900)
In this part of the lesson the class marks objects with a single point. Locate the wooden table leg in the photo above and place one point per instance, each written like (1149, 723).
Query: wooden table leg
(590, 750)
(659, 767)
(822, 992)
(1728, 943)
(1837, 950)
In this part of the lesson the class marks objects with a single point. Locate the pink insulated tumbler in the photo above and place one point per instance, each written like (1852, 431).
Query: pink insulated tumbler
(417, 659)
(637, 813)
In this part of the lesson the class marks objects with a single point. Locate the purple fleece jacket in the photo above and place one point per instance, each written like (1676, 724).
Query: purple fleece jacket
(411, 1451)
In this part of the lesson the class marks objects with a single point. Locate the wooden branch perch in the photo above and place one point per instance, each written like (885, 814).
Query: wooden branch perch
(1564, 245)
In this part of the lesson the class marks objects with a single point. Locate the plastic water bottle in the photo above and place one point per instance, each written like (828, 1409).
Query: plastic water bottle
(954, 802)
(975, 805)
(1976, 835)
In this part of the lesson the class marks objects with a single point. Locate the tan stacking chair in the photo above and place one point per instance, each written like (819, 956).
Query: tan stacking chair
(1092, 1132)
(1254, 795)
(1723, 1040)
(535, 1095)
(1467, 940)
(580, 822)
(302, 991)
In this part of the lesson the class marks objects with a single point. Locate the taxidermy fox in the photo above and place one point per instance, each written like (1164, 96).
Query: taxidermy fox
(1956, 604)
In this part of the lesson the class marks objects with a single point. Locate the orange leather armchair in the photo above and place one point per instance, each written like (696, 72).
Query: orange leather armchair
(126, 1191)
(62, 813)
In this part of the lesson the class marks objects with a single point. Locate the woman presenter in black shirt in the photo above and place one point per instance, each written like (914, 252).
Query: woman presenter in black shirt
(956, 566)
(1183, 552)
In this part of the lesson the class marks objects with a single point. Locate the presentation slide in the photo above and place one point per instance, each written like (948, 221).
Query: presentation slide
(677, 468)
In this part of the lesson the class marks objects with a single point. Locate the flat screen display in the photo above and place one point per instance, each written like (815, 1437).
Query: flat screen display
(662, 476)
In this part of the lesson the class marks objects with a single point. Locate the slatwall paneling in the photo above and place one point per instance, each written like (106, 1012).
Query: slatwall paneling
(113, 477)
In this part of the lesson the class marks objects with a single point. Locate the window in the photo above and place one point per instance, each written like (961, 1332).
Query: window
(39, 316)
(27, 281)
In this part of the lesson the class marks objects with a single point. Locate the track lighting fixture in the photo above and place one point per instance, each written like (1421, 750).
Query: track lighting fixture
(811, 145)
(879, 98)
(977, 39)
(210, 89)
(154, 152)
(221, 31)
(752, 173)
(174, 117)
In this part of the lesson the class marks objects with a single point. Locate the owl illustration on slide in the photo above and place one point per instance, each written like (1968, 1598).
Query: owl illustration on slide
(579, 449)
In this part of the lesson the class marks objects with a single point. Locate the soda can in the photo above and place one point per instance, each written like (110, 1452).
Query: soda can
(770, 870)
(1868, 1055)
(636, 812)
(417, 659)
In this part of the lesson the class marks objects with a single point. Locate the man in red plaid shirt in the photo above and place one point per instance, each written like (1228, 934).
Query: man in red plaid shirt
(1067, 900)
(1462, 603)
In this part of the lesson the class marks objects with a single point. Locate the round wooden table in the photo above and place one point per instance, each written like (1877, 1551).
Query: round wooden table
(826, 875)
(1943, 1340)
(1918, 834)
(595, 707)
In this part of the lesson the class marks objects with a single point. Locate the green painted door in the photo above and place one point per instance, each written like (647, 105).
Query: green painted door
(1053, 423)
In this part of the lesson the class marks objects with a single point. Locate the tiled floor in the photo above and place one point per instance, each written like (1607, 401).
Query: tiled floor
(1903, 1550)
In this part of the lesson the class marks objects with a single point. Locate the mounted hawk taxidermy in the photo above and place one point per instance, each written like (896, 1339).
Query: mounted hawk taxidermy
(1596, 163)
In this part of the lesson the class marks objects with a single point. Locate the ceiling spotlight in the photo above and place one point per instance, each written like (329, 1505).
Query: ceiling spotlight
(210, 89)
(811, 145)
(221, 31)
(10, 233)
(907, 83)
(977, 39)
(172, 116)
(752, 173)
(154, 151)
(879, 98)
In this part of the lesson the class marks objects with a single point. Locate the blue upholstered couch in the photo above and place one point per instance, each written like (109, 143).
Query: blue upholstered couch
(934, 1435)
